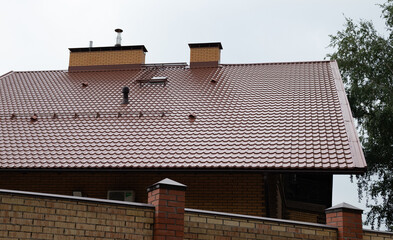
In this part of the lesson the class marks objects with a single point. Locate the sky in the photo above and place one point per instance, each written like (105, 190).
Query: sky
(36, 35)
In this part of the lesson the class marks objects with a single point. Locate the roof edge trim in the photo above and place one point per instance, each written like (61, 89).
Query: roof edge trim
(6, 74)
(353, 138)
(232, 170)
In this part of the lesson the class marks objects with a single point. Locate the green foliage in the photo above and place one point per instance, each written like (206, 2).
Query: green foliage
(365, 58)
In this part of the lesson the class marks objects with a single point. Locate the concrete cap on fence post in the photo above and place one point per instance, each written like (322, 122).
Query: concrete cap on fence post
(348, 220)
(168, 197)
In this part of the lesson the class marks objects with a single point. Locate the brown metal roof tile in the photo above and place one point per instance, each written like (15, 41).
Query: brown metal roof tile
(256, 116)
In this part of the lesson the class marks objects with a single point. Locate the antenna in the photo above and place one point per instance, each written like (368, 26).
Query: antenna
(118, 38)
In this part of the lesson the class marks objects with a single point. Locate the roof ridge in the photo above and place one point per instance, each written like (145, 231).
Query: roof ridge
(34, 71)
(174, 65)
(277, 63)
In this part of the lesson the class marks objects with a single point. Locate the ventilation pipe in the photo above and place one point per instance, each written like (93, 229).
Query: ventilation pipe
(118, 39)
(125, 92)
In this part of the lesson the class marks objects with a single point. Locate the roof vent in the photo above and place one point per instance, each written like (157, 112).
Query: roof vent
(55, 116)
(125, 92)
(13, 116)
(34, 118)
(192, 116)
(85, 84)
(213, 80)
(118, 38)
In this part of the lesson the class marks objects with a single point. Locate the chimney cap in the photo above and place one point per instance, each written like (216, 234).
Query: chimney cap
(101, 49)
(118, 30)
(206, 45)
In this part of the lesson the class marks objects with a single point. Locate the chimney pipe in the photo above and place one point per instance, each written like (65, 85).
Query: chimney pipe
(90, 44)
(125, 92)
(118, 39)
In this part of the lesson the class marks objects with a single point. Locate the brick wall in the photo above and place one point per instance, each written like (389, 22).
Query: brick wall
(38, 216)
(210, 225)
(226, 192)
(376, 235)
(98, 58)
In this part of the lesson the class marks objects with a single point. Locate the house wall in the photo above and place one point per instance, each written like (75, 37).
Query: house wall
(202, 225)
(242, 193)
(304, 216)
(42, 217)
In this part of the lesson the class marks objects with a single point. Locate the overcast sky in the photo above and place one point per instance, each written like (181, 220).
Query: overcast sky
(36, 35)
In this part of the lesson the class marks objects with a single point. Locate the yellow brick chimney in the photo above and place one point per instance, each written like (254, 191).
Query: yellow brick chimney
(106, 58)
(205, 54)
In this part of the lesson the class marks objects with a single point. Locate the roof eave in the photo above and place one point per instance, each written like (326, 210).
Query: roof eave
(267, 170)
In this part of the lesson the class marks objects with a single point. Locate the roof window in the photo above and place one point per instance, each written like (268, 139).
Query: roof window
(153, 81)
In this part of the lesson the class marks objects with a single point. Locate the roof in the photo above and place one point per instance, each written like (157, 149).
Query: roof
(273, 116)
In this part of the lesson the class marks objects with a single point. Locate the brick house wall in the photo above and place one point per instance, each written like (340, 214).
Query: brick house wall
(303, 216)
(242, 193)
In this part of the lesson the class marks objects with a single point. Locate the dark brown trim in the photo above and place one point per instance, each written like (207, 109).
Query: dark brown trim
(203, 64)
(206, 45)
(104, 67)
(333, 171)
(110, 48)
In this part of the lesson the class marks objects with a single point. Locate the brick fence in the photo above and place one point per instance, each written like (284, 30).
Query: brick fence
(25, 215)
(28, 215)
(215, 225)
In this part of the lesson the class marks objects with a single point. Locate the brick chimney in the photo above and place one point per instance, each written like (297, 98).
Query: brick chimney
(107, 58)
(348, 220)
(205, 54)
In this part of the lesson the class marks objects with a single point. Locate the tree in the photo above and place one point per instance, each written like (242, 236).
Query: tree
(365, 58)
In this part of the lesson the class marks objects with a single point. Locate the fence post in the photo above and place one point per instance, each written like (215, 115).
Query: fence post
(168, 197)
(348, 219)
